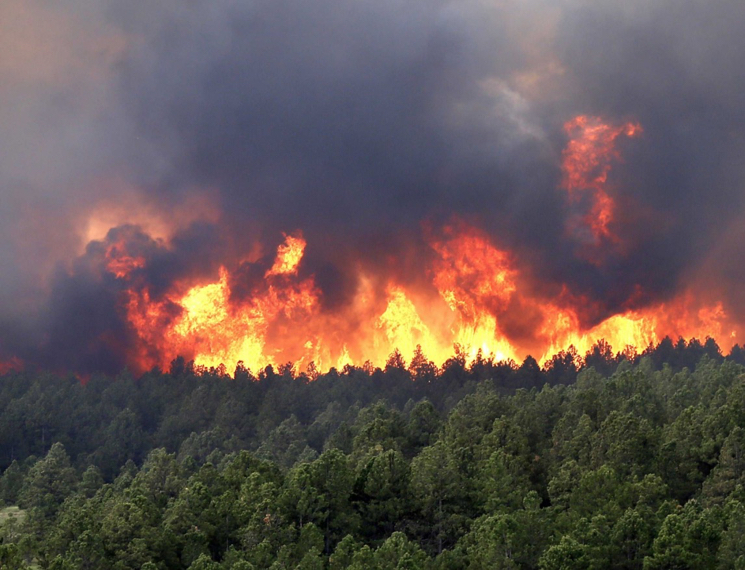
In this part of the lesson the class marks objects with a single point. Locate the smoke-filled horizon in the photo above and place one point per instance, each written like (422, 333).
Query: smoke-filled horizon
(523, 165)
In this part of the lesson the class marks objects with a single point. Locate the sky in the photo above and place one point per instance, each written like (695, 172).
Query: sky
(219, 124)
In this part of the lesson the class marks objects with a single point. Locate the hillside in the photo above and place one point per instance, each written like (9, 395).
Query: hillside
(636, 467)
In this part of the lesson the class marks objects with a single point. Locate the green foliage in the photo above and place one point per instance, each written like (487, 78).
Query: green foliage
(47, 484)
(397, 552)
(688, 538)
(731, 554)
(204, 562)
(11, 558)
(383, 488)
(440, 490)
(637, 465)
(11, 483)
(285, 443)
(568, 554)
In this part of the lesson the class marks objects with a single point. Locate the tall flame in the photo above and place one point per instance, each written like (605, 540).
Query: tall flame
(289, 255)
(474, 284)
(214, 330)
(587, 160)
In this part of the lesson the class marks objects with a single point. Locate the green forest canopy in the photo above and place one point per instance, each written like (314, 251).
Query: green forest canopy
(603, 462)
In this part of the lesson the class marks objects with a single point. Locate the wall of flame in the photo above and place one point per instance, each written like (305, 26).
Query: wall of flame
(474, 294)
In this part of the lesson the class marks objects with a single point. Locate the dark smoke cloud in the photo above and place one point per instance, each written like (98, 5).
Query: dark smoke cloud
(330, 112)
(357, 122)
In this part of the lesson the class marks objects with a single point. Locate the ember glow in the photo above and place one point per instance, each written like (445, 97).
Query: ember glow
(10, 365)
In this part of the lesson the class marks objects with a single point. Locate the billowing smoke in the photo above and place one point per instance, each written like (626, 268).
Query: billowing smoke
(147, 145)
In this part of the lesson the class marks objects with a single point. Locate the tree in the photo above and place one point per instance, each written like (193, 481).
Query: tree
(600, 357)
(423, 424)
(320, 492)
(509, 540)
(129, 532)
(11, 558)
(421, 369)
(731, 553)
(626, 443)
(90, 482)
(502, 483)
(730, 471)
(344, 553)
(438, 485)
(47, 484)
(687, 539)
(568, 554)
(11, 484)
(305, 552)
(385, 497)
(160, 478)
(563, 367)
(493, 542)
(188, 520)
(397, 552)
(529, 374)
(379, 427)
(631, 539)
(204, 562)
(285, 443)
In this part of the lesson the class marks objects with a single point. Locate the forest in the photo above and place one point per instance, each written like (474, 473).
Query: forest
(602, 460)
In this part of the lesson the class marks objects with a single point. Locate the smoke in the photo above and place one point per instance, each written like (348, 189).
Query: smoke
(197, 129)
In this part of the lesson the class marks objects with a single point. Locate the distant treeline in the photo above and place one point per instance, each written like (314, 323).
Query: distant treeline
(605, 461)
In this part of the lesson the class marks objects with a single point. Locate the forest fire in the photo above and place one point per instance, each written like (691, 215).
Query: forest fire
(474, 294)
(473, 288)
(477, 293)
(511, 180)
(372, 284)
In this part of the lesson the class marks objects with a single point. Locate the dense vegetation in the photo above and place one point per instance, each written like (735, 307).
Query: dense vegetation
(605, 461)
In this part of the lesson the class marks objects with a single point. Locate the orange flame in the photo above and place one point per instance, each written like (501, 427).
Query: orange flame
(474, 285)
(475, 294)
(477, 282)
(640, 328)
(289, 255)
(214, 331)
(586, 163)
(283, 321)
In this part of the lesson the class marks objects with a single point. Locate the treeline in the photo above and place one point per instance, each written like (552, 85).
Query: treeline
(628, 463)
(106, 421)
